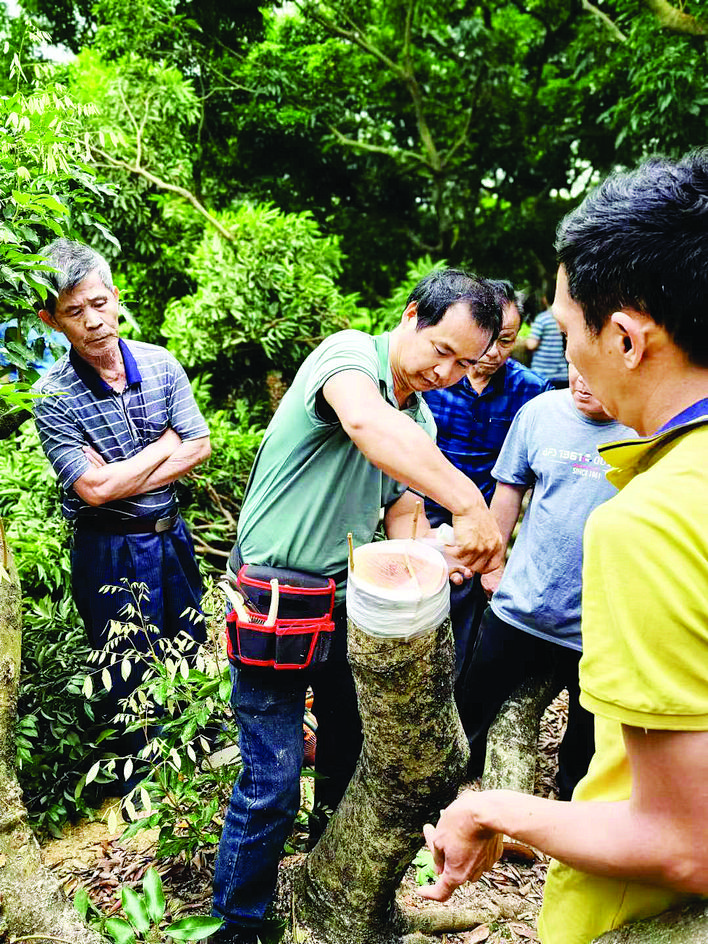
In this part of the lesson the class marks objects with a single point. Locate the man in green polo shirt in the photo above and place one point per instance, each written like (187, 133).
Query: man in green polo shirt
(350, 437)
(631, 299)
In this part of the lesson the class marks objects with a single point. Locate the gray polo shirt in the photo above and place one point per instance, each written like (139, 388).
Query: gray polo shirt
(78, 408)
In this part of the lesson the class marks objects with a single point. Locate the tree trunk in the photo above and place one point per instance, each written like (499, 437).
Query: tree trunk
(31, 902)
(687, 925)
(512, 742)
(413, 760)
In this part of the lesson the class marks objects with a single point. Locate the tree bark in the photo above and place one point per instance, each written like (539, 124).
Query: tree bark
(31, 901)
(512, 742)
(687, 925)
(413, 760)
(675, 19)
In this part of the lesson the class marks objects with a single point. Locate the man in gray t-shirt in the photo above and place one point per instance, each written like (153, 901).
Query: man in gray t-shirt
(533, 622)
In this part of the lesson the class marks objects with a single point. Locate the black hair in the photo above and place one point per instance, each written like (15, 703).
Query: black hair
(503, 291)
(73, 261)
(640, 240)
(506, 295)
(441, 288)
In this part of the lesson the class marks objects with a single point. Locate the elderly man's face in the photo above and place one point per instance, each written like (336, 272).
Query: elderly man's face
(584, 399)
(583, 349)
(500, 351)
(88, 317)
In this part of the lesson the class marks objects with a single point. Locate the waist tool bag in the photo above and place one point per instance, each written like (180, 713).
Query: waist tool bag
(284, 620)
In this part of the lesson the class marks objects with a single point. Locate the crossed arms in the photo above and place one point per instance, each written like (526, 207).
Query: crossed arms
(162, 461)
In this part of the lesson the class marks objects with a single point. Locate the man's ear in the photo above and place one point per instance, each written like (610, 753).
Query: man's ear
(47, 318)
(410, 314)
(631, 329)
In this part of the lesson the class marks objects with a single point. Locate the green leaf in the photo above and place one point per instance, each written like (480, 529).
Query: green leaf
(154, 895)
(81, 903)
(134, 907)
(193, 929)
(120, 931)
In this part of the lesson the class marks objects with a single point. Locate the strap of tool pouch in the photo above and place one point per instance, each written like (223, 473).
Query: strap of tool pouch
(301, 635)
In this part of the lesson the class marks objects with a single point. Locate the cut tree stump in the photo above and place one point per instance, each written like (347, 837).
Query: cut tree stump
(413, 760)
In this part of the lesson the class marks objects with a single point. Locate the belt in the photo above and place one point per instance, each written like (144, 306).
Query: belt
(127, 525)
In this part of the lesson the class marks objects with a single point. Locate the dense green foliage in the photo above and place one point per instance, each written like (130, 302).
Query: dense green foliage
(270, 288)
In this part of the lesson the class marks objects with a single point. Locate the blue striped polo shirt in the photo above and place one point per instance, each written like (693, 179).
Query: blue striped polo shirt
(548, 359)
(78, 408)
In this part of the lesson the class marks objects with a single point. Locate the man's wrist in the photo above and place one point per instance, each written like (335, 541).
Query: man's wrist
(488, 811)
(468, 506)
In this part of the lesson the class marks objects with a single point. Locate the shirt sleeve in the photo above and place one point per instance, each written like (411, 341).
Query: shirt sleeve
(513, 463)
(184, 415)
(61, 437)
(536, 330)
(345, 350)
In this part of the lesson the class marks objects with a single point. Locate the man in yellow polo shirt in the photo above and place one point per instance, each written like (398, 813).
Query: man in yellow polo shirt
(632, 300)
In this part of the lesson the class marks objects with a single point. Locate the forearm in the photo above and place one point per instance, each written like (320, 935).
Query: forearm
(506, 506)
(616, 840)
(189, 454)
(399, 517)
(111, 481)
(399, 447)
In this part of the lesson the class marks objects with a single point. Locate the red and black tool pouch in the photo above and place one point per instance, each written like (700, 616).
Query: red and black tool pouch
(302, 633)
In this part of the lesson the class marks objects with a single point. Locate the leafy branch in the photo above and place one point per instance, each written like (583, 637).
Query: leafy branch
(675, 20)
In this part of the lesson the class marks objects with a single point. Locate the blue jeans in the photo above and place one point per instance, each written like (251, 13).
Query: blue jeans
(268, 706)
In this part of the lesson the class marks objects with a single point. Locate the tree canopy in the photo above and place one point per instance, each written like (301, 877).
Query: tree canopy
(459, 130)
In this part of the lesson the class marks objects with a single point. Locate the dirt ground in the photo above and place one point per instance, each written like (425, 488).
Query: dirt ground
(507, 898)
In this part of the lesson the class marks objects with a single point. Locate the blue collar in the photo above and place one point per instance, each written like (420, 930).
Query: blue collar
(700, 408)
(94, 382)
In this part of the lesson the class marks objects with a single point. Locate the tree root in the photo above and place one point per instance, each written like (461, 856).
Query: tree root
(442, 920)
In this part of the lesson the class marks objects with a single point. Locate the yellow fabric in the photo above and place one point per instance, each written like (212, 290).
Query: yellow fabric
(645, 642)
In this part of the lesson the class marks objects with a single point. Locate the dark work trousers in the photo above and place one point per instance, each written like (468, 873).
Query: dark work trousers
(268, 706)
(503, 658)
(165, 563)
(467, 605)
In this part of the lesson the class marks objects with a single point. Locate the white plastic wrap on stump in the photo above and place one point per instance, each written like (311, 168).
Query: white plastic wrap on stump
(386, 601)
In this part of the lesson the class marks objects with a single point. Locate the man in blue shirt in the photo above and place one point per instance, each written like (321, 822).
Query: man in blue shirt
(119, 424)
(473, 418)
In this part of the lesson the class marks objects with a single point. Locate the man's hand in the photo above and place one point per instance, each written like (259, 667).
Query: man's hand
(478, 539)
(93, 457)
(457, 571)
(462, 849)
(491, 580)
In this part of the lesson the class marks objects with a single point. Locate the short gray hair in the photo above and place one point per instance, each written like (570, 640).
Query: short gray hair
(73, 261)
